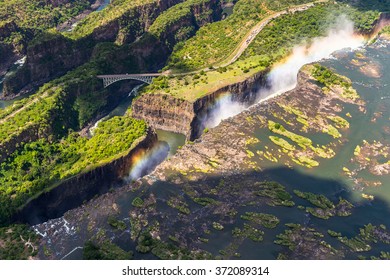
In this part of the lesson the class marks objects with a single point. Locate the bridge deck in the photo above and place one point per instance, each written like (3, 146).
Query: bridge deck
(129, 75)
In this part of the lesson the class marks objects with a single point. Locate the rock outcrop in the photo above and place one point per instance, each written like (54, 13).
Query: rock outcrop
(172, 114)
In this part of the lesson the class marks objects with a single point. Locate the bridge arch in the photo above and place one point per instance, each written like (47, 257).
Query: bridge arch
(110, 79)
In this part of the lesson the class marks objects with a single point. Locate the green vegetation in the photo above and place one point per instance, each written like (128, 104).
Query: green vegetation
(282, 143)
(356, 244)
(367, 235)
(266, 220)
(24, 19)
(332, 131)
(204, 201)
(275, 192)
(250, 232)
(39, 14)
(317, 200)
(110, 14)
(173, 15)
(137, 202)
(333, 233)
(277, 40)
(117, 224)
(13, 242)
(325, 208)
(177, 203)
(386, 30)
(217, 40)
(105, 251)
(331, 80)
(380, 5)
(339, 121)
(217, 226)
(303, 142)
(303, 242)
(40, 164)
(168, 251)
(383, 256)
(273, 43)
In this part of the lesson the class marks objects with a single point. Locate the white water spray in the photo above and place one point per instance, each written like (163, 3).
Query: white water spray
(146, 162)
(283, 77)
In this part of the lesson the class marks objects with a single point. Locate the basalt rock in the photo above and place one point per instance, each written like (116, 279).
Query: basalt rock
(172, 114)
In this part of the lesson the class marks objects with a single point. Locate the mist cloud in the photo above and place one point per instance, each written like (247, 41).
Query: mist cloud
(283, 77)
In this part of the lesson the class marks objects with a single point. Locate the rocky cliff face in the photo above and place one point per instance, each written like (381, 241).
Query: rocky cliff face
(183, 29)
(73, 192)
(54, 55)
(51, 57)
(165, 112)
(29, 134)
(7, 57)
(151, 53)
(168, 113)
(8, 52)
(383, 21)
(244, 92)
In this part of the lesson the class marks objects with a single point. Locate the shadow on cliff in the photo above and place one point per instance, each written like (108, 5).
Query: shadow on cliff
(191, 226)
(364, 212)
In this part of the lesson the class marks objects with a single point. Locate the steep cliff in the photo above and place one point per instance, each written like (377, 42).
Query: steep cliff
(71, 193)
(151, 52)
(12, 41)
(172, 114)
(165, 112)
(52, 55)
(7, 57)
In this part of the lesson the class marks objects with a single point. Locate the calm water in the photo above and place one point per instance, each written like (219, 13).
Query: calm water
(103, 5)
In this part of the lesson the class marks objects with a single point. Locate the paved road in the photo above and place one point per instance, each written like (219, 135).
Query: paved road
(248, 39)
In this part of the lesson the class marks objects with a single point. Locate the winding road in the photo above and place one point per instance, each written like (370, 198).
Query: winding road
(251, 35)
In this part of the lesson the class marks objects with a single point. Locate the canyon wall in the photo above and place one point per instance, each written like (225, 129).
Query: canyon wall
(181, 116)
(52, 55)
(72, 192)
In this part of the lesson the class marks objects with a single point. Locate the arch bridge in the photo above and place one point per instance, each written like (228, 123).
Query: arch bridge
(110, 79)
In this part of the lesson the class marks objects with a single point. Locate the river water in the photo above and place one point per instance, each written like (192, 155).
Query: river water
(372, 83)
(19, 63)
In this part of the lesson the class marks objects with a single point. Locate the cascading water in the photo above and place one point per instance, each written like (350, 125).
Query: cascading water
(283, 77)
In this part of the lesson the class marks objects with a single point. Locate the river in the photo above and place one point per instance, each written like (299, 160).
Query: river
(369, 69)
